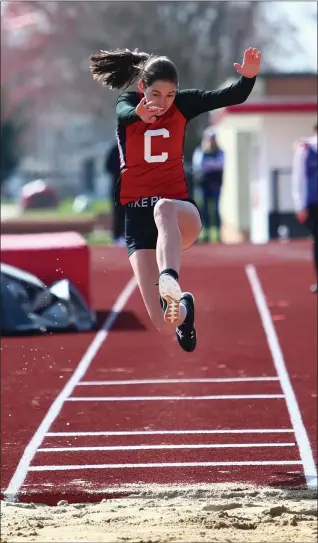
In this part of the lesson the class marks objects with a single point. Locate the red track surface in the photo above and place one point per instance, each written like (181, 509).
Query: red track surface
(231, 344)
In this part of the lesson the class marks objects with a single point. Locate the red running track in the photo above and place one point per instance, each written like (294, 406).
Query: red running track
(144, 411)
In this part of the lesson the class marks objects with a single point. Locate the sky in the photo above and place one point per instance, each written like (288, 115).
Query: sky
(298, 13)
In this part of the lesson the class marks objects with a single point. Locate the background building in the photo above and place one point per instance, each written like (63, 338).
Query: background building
(258, 138)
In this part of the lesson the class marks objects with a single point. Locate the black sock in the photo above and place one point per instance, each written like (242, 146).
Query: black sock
(171, 272)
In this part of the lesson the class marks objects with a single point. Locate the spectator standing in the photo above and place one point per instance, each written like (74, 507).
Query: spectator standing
(305, 190)
(112, 167)
(208, 166)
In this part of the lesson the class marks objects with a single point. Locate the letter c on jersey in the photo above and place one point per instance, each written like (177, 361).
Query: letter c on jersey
(164, 133)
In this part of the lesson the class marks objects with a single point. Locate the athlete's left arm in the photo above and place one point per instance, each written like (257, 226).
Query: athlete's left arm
(193, 102)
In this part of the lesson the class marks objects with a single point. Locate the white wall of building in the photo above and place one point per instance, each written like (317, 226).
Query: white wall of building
(235, 177)
(280, 133)
(254, 145)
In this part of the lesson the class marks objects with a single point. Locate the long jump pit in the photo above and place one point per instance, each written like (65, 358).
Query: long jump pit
(118, 435)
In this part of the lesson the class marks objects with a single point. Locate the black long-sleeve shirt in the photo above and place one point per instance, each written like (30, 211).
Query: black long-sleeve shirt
(152, 154)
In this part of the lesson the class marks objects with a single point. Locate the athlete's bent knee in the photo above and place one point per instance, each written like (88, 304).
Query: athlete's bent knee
(164, 209)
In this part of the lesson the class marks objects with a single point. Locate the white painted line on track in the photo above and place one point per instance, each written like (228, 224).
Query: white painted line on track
(24, 465)
(163, 447)
(309, 465)
(165, 465)
(170, 432)
(172, 398)
(177, 381)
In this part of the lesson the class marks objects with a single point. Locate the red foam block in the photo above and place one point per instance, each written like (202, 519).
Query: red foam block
(52, 256)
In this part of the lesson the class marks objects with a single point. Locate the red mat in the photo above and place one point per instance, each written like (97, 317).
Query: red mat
(62, 255)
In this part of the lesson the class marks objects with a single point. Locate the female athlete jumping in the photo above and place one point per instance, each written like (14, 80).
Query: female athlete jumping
(160, 218)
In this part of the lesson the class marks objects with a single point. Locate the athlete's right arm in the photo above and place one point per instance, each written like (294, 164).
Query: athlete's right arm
(126, 108)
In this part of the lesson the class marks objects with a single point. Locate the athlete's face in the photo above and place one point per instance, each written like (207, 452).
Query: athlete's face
(162, 93)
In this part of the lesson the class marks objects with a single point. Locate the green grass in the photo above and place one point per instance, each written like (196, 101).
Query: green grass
(213, 235)
(65, 211)
(40, 215)
(99, 238)
(100, 205)
(213, 231)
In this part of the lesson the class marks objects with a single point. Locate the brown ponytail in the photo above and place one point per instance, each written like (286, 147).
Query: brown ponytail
(118, 69)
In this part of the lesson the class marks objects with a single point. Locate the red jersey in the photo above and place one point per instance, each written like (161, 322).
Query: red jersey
(151, 155)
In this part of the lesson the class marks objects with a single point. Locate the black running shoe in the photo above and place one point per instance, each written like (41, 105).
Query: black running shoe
(186, 332)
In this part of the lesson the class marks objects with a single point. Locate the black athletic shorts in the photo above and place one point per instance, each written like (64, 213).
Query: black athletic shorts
(140, 227)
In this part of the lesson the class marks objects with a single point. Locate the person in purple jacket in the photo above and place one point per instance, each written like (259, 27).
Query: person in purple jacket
(305, 190)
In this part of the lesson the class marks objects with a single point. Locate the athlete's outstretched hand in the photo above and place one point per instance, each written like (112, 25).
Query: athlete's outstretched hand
(147, 110)
(251, 63)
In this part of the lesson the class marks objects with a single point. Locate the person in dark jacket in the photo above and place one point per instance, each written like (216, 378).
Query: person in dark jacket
(112, 167)
(208, 164)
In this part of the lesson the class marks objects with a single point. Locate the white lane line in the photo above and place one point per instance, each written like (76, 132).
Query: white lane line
(29, 452)
(177, 381)
(172, 398)
(160, 447)
(310, 470)
(170, 432)
(165, 465)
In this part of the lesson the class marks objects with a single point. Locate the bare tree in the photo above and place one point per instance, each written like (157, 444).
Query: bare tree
(49, 67)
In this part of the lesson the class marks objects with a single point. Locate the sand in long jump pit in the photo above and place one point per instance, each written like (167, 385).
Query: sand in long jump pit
(219, 512)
